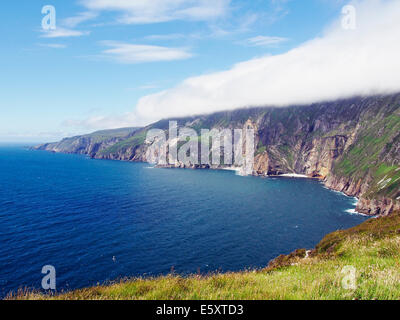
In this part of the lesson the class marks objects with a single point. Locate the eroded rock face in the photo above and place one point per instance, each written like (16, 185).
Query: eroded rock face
(381, 206)
(351, 187)
(261, 164)
(316, 159)
(353, 145)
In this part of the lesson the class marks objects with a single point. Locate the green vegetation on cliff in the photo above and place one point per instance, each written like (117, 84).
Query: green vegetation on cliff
(372, 248)
(129, 143)
(352, 144)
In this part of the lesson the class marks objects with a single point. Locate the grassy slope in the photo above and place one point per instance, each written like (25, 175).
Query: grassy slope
(373, 248)
(69, 145)
(366, 156)
(104, 135)
(132, 142)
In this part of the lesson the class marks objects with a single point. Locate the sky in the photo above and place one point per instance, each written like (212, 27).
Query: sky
(118, 63)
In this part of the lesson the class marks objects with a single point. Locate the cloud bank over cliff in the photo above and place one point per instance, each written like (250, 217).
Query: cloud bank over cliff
(339, 64)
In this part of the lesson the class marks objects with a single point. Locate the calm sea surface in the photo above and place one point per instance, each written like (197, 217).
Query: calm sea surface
(97, 220)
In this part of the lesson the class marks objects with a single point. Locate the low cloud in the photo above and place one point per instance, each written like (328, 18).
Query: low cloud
(342, 63)
(339, 64)
(137, 53)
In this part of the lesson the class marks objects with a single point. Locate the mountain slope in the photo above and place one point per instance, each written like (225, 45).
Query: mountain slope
(353, 145)
(90, 144)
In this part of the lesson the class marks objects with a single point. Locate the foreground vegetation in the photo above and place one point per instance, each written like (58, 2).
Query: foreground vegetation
(372, 248)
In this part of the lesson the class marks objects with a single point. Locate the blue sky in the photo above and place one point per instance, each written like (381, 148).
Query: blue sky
(96, 62)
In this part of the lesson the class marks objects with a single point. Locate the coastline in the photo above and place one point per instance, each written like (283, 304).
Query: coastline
(293, 175)
(255, 176)
(237, 171)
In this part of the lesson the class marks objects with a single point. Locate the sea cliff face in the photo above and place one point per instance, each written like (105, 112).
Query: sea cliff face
(352, 145)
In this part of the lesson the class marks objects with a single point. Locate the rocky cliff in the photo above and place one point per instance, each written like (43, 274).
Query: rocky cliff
(352, 145)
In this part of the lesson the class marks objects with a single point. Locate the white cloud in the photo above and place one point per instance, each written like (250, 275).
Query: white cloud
(135, 53)
(72, 22)
(63, 33)
(67, 26)
(53, 45)
(339, 64)
(151, 11)
(162, 37)
(265, 41)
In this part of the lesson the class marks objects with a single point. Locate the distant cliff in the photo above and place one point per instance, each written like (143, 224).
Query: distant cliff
(353, 145)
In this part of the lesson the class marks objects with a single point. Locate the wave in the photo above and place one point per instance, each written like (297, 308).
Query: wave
(354, 212)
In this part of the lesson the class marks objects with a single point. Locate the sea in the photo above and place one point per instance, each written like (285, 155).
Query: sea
(98, 221)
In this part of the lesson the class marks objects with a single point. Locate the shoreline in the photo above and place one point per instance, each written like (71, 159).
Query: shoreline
(237, 171)
(283, 176)
(292, 175)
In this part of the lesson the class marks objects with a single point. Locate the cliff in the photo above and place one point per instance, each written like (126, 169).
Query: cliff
(324, 273)
(353, 145)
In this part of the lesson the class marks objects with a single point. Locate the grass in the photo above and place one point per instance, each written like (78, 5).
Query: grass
(372, 248)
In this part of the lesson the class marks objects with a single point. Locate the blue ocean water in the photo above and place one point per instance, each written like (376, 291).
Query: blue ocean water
(97, 220)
